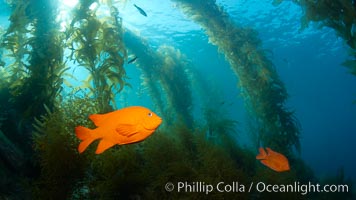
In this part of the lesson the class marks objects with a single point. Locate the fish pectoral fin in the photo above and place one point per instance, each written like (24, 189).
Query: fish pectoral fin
(126, 130)
(274, 166)
(103, 146)
(270, 165)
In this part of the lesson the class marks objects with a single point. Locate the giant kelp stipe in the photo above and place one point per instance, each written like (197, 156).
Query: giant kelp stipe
(198, 140)
(264, 92)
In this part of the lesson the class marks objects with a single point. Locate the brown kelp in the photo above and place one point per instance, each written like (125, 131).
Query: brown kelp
(97, 45)
(261, 87)
(339, 15)
(138, 170)
(15, 42)
(168, 69)
(4, 75)
(36, 46)
(33, 48)
(141, 170)
(207, 152)
(55, 145)
(176, 85)
(2, 62)
(149, 67)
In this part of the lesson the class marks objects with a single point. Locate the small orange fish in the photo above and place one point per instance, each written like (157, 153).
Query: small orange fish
(124, 126)
(274, 160)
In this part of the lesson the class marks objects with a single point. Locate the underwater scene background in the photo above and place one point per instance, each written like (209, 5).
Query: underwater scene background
(227, 77)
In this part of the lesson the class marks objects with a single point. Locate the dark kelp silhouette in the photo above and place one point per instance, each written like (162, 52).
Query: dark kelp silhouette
(38, 146)
(264, 93)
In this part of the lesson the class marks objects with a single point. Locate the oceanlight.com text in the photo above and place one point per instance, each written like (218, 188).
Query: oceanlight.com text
(236, 187)
(301, 188)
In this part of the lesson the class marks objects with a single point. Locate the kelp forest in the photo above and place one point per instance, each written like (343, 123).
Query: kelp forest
(40, 105)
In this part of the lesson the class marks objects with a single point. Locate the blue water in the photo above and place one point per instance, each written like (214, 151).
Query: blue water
(308, 61)
(321, 90)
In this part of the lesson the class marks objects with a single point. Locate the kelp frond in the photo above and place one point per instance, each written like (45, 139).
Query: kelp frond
(264, 93)
(55, 145)
(97, 45)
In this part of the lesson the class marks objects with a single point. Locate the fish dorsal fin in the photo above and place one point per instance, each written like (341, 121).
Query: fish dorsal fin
(98, 119)
(103, 146)
(270, 152)
(274, 160)
(262, 155)
(127, 130)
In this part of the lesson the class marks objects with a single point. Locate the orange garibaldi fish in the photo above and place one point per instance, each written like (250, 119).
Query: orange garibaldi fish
(124, 126)
(274, 160)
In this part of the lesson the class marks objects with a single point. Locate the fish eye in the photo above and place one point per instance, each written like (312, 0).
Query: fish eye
(150, 114)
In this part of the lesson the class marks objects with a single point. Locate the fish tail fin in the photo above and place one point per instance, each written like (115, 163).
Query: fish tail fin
(86, 135)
